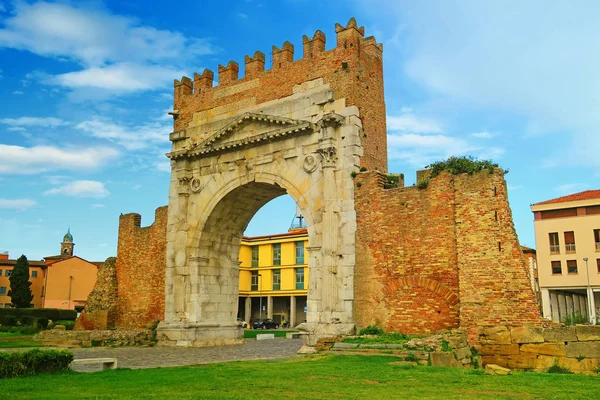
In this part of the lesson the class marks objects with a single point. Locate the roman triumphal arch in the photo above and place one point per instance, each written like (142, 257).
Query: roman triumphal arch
(226, 164)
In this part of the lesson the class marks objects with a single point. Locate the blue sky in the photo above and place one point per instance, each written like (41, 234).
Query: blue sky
(85, 88)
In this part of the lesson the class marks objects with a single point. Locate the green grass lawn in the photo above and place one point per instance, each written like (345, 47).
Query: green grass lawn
(315, 377)
(251, 333)
(12, 340)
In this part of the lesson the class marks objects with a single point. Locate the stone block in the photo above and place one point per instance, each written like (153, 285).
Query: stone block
(586, 349)
(493, 369)
(444, 359)
(496, 335)
(588, 333)
(560, 334)
(463, 352)
(527, 334)
(340, 345)
(547, 349)
(307, 350)
(496, 349)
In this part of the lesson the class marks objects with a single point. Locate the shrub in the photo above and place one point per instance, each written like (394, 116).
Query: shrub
(51, 313)
(411, 357)
(392, 181)
(575, 319)
(461, 165)
(8, 320)
(70, 315)
(363, 169)
(371, 330)
(34, 362)
(27, 320)
(557, 369)
(353, 174)
(423, 183)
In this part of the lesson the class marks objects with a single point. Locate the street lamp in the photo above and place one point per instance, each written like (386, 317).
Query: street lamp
(260, 296)
(592, 312)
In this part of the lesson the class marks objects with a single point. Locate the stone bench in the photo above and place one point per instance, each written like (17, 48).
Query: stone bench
(294, 335)
(107, 363)
(265, 336)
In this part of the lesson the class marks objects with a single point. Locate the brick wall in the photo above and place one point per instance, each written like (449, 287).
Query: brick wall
(141, 258)
(100, 307)
(354, 69)
(428, 259)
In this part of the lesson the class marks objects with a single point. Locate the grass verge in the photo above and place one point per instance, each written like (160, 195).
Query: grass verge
(315, 377)
(251, 333)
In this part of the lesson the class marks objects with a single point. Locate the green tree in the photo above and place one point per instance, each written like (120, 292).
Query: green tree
(20, 291)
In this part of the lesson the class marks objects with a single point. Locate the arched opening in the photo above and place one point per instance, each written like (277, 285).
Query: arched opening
(273, 277)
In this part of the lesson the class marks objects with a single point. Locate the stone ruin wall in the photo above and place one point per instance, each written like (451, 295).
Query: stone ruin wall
(140, 270)
(439, 258)
(353, 69)
(100, 307)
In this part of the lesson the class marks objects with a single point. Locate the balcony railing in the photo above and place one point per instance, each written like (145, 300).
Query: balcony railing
(570, 247)
(554, 249)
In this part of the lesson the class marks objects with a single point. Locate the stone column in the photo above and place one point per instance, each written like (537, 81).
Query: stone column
(248, 309)
(292, 311)
(270, 307)
(576, 304)
(546, 306)
(583, 305)
(554, 304)
(592, 311)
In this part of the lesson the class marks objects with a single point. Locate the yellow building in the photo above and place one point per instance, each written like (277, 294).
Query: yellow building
(36, 276)
(567, 236)
(274, 277)
(61, 281)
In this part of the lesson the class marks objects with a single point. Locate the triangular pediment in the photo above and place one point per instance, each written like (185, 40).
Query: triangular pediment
(250, 129)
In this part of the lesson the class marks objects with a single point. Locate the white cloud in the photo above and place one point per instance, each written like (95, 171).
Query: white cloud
(80, 189)
(49, 122)
(164, 166)
(16, 129)
(136, 187)
(408, 122)
(18, 92)
(96, 206)
(116, 52)
(123, 77)
(17, 204)
(534, 59)
(132, 138)
(569, 188)
(484, 135)
(32, 160)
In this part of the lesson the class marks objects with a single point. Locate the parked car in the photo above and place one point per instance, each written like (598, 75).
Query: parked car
(265, 324)
(241, 323)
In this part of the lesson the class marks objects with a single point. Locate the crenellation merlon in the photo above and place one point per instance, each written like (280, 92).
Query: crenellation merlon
(229, 73)
(204, 81)
(349, 38)
(254, 65)
(315, 46)
(283, 56)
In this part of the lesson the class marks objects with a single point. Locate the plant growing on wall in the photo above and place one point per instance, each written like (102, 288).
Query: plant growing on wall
(458, 165)
(20, 290)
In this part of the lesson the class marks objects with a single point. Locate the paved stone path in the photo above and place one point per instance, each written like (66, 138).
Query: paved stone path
(152, 357)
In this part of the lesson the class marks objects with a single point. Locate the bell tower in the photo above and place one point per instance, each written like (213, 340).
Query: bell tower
(67, 245)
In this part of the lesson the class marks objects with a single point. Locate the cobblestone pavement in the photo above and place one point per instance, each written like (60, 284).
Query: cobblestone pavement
(152, 357)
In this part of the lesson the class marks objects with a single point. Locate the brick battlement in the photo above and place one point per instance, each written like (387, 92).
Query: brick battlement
(348, 38)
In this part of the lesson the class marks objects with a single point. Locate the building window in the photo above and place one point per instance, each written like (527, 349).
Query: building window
(598, 264)
(34, 274)
(597, 238)
(572, 266)
(570, 242)
(2, 290)
(299, 252)
(8, 272)
(556, 268)
(277, 254)
(554, 243)
(254, 281)
(276, 279)
(255, 256)
(300, 278)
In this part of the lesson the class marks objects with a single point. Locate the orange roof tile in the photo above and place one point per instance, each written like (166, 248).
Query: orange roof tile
(586, 195)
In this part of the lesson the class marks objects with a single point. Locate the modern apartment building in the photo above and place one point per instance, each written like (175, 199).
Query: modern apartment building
(274, 277)
(567, 235)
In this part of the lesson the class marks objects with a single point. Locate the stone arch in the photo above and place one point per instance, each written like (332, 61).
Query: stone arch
(227, 168)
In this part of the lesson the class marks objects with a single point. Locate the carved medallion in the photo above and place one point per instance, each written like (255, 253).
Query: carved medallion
(195, 185)
(310, 163)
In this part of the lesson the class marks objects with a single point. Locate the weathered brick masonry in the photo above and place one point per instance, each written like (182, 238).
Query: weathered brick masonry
(141, 255)
(354, 69)
(439, 258)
